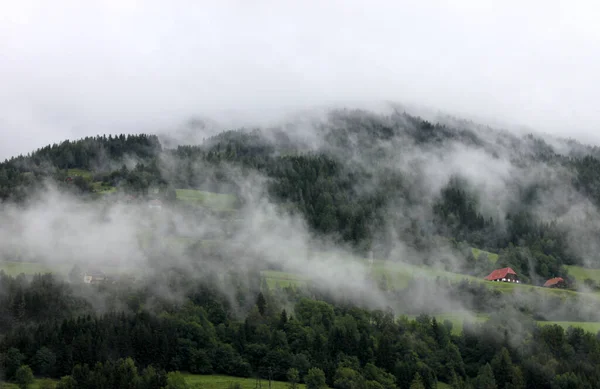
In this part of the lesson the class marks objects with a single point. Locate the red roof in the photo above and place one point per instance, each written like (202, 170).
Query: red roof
(553, 281)
(500, 273)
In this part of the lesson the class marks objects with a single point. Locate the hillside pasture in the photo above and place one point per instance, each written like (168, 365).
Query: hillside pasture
(581, 273)
(400, 274)
(103, 188)
(36, 384)
(14, 268)
(217, 201)
(282, 279)
(593, 327)
(492, 257)
(80, 172)
(98, 187)
(223, 381)
(196, 381)
(457, 319)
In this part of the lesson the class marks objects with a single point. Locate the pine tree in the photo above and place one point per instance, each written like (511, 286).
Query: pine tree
(417, 382)
(485, 379)
(283, 319)
(261, 303)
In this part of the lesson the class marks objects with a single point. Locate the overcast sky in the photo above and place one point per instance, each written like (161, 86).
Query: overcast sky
(75, 68)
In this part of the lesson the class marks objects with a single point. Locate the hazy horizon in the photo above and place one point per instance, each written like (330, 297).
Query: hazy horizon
(75, 70)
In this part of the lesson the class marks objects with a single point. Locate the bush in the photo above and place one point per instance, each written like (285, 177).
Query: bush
(24, 377)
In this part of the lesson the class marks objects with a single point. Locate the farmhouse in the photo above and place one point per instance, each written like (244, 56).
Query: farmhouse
(155, 204)
(503, 275)
(94, 277)
(556, 282)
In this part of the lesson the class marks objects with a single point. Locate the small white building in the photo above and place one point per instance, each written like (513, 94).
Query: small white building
(94, 277)
(155, 204)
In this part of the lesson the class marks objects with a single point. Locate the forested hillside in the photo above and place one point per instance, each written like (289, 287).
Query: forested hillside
(258, 253)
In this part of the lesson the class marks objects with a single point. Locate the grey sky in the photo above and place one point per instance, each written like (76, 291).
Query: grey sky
(73, 68)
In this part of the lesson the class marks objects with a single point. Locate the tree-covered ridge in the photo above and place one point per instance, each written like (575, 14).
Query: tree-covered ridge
(344, 187)
(22, 174)
(89, 152)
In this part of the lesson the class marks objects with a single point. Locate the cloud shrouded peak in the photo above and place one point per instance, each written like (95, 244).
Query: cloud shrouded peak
(74, 69)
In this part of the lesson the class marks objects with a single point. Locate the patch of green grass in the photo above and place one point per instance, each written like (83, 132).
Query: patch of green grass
(102, 187)
(222, 382)
(581, 273)
(36, 384)
(282, 275)
(274, 283)
(493, 258)
(14, 268)
(219, 201)
(275, 278)
(80, 172)
(457, 319)
(400, 274)
(509, 287)
(592, 327)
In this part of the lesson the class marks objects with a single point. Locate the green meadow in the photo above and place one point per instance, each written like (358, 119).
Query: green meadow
(218, 201)
(491, 256)
(80, 172)
(280, 279)
(457, 319)
(581, 273)
(592, 327)
(14, 268)
(36, 384)
(223, 382)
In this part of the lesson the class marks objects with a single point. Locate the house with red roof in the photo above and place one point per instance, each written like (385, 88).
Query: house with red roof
(556, 282)
(503, 275)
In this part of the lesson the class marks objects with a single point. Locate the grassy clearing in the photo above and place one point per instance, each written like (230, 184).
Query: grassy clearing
(592, 327)
(282, 279)
(35, 385)
(493, 258)
(214, 382)
(29, 268)
(400, 274)
(97, 186)
(457, 319)
(219, 201)
(103, 188)
(222, 381)
(60, 269)
(581, 273)
(80, 172)
(508, 287)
